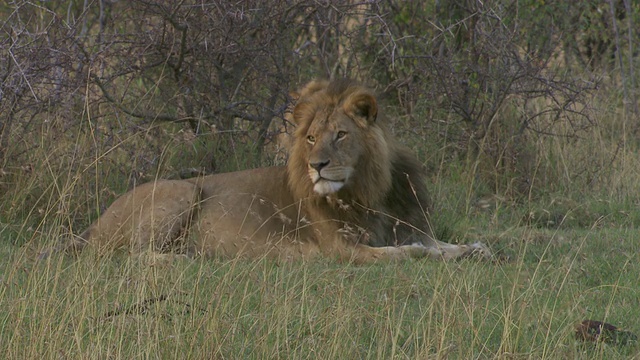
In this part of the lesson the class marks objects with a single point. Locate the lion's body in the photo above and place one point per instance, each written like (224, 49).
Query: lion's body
(349, 190)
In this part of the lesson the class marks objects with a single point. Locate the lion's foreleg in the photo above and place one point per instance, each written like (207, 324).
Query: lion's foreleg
(437, 250)
(363, 253)
(446, 251)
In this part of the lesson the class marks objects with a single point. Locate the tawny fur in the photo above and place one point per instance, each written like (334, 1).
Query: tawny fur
(379, 212)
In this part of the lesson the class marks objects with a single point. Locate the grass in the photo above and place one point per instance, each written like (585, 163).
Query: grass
(143, 307)
(568, 261)
(569, 257)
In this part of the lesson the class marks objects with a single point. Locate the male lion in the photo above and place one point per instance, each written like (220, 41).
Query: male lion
(348, 191)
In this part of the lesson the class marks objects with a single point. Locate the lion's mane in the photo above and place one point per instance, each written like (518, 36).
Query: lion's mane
(388, 196)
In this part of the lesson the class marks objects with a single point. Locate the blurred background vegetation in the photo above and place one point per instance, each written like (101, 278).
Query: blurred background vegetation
(511, 104)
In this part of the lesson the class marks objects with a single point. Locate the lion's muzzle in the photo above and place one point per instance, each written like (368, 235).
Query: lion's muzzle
(328, 179)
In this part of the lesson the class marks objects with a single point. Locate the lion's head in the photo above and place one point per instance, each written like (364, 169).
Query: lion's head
(340, 146)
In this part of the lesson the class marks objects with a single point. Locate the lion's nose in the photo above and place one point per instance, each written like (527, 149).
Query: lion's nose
(319, 165)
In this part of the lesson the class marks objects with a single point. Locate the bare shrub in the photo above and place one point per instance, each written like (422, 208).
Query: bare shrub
(102, 93)
(473, 66)
(120, 87)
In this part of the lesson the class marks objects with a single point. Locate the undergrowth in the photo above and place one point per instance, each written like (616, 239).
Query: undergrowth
(562, 220)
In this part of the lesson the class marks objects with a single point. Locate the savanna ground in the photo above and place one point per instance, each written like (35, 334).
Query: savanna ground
(531, 148)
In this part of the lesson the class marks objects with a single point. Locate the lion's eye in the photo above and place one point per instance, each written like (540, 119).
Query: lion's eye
(311, 139)
(341, 134)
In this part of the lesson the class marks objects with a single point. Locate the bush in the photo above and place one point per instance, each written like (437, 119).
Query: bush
(98, 96)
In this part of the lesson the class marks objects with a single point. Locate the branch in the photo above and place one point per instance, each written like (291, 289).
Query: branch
(229, 110)
(140, 115)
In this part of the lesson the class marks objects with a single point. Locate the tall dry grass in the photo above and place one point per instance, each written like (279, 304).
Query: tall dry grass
(126, 307)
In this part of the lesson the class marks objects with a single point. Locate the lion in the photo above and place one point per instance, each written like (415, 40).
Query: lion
(349, 191)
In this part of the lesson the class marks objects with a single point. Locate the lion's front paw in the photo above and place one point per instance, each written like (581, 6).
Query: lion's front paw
(479, 249)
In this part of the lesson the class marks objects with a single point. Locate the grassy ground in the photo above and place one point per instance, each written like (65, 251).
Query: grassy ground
(525, 307)
(569, 249)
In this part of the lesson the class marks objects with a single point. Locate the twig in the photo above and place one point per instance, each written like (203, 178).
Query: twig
(229, 109)
(139, 308)
(143, 307)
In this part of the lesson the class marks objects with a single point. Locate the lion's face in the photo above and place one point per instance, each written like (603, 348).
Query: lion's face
(337, 139)
(333, 150)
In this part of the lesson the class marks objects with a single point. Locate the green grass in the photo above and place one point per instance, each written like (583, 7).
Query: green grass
(568, 257)
(142, 307)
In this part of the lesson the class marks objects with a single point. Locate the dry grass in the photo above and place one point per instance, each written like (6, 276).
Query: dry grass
(130, 307)
(571, 257)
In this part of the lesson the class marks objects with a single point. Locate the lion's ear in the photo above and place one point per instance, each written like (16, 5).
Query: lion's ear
(362, 106)
(302, 112)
